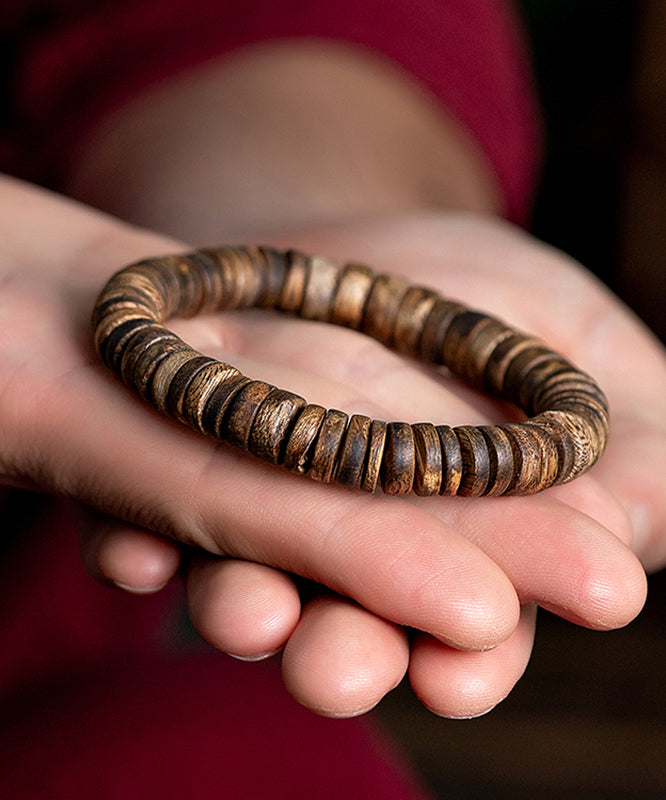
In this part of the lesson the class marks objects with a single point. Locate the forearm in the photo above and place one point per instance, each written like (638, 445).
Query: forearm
(279, 137)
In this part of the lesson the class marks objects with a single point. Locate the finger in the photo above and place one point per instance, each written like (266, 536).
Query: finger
(633, 469)
(128, 557)
(461, 685)
(244, 609)
(557, 557)
(341, 660)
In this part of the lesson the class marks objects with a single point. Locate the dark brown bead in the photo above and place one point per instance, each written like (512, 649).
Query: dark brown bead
(435, 327)
(565, 435)
(452, 465)
(476, 349)
(214, 414)
(138, 344)
(202, 387)
(454, 345)
(382, 307)
(353, 452)
(242, 412)
(121, 298)
(112, 347)
(180, 383)
(527, 398)
(500, 358)
(165, 373)
(399, 462)
(212, 280)
(519, 367)
(535, 456)
(414, 309)
(300, 444)
(327, 445)
(563, 441)
(428, 451)
(567, 384)
(149, 361)
(320, 285)
(293, 290)
(275, 271)
(375, 455)
(475, 461)
(272, 424)
(501, 461)
(351, 296)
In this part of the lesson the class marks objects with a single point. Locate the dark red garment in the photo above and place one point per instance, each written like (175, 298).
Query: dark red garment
(98, 699)
(86, 57)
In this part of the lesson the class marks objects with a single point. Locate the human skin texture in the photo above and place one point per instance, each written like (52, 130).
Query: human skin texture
(466, 574)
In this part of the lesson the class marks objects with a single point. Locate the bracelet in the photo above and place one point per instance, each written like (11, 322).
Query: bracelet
(564, 435)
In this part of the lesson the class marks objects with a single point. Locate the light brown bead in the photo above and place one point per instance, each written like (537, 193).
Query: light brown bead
(375, 455)
(353, 452)
(274, 272)
(535, 457)
(452, 465)
(428, 453)
(201, 388)
(565, 435)
(414, 309)
(434, 329)
(320, 286)
(327, 445)
(164, 375)
(475, 461)
(399, 462)
(300, 444)
(383, 303)
(272, 424)
(293, 289)
(180, 382)
(351, 296)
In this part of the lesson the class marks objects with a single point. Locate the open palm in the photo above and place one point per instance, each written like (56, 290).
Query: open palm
(465, 574)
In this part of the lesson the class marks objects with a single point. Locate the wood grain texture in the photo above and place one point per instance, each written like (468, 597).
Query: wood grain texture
(566, 429)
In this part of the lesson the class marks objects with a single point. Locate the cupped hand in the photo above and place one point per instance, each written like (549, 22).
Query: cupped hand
(458, 571)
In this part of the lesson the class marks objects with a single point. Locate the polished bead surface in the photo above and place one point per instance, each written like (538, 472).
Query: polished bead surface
(566, 429)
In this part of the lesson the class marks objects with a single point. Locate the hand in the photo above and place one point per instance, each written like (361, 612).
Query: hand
(457, 570)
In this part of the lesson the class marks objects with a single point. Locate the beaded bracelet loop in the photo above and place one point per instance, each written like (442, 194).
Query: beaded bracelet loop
(564, 435)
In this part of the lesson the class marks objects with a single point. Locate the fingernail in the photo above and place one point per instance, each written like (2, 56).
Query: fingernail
(140, 589)
(260, 657)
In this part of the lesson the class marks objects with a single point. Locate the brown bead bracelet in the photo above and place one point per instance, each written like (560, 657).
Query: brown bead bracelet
(564, 435)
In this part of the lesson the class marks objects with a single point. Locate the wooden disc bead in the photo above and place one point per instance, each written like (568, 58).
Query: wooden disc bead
(568, 418)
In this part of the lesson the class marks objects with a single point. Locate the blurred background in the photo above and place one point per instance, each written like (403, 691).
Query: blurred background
(588, 720)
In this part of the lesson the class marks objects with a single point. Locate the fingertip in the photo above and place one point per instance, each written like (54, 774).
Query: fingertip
(136, 560)
(341, 659)
(464, 685)
(609, 595)
(247, 610)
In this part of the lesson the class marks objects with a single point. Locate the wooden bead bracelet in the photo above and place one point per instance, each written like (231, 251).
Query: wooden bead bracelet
(564, 435)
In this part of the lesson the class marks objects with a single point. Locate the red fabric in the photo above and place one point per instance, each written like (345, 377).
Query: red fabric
(94, 703)
(468, 53)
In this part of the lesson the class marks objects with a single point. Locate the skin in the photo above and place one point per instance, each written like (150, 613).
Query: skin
(467, 575)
